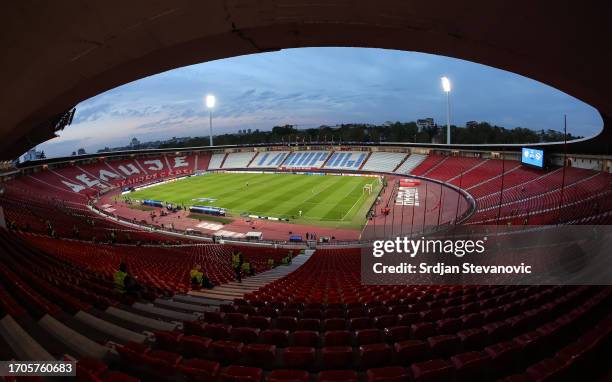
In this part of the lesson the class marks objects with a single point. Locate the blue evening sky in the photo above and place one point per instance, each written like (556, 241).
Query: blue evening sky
(309, 87)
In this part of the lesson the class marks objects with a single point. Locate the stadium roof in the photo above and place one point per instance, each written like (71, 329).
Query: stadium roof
(56, 54)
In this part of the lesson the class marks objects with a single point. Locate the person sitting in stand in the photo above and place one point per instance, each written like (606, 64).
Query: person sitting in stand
(199, 279)
(125, 283)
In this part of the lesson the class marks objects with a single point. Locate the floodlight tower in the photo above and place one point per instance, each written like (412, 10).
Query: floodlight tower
(210, 104)
(446, 86)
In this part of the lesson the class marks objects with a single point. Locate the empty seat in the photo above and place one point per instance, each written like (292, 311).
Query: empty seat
(309, 324)
(337, 338)
(443, 345)
(368, 336)
(195, 346)
(259, 322)
(337, 357)
(235, 373)
(359, 323)
(197, 370)
(397, 333)
(472, 339)
(334, 324)
(385, 321)
(286, 323)
(374, 355)
(449, 325)
(432, 371)
(471, 366)
(227, 351)
(422, 330)
(309, 338)
(388, 374)
(503, 356)
(285, 375)
(245, 334)
(236, 319)
(260, 354)
(277, 337)
(410, 351)
(337, 376)
(298, 357)
(217, 331)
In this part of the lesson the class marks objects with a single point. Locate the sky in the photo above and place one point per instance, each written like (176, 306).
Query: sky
(309, 87)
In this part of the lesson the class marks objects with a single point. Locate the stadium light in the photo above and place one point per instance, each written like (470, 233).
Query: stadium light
(210, 104)
(446, 86)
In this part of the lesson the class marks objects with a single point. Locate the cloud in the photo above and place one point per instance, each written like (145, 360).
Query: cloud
(317, 86)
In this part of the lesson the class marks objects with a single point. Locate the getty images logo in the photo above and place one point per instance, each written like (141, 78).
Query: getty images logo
(412, 247)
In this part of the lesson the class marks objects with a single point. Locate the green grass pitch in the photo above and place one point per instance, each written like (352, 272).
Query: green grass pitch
(328, 200)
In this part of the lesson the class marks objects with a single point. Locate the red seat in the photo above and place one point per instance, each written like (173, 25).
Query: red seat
(496, 331)
(422, 330)
(503, 356)
(472, 339)
(410, 351)
(217, 331)
(193, 327)
(117, 376)
(337, 338)
(471, 366)
(443, 346)
(336, 357)
(385, 321)
(309, 324)
(374, 355)
(213, 317)
(164, 362)
(235, 373)
(277, 337)
(312, 313)
(309, 338)
(368, 336)
(259, 322)
(360, 323)
(334, 324)
(286, 323)
(388, 374)
(449, 325)
(299, 357)
(236, 319)
(397, 333)
(432, 371)
(407, 319)
(199, 370)
(260, 354)
(472, 320)
(195, 346)
(285, 375)
(245, 334)
(168, 340)
(227, 351)
(337, 376)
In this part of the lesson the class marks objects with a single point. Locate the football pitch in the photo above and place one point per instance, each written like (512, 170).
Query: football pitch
(338, 201)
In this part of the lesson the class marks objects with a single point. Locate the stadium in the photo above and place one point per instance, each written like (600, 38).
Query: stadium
(301, 214)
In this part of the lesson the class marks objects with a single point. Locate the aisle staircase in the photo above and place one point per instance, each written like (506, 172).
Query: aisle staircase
(234, 289)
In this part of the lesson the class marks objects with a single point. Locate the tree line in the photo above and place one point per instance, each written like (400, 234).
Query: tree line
(406, 132)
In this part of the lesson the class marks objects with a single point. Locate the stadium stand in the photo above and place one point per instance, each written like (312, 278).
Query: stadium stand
(383, 162)
(305, 159)
(57, 297)
(238, 160)
(346, 160)
(413, 161)
(269, 159)
(216, 161)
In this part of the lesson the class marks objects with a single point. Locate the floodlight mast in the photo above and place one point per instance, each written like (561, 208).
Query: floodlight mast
(210, 104)
(446, 86)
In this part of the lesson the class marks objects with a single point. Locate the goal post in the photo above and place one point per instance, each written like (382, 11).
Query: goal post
(367, 189)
